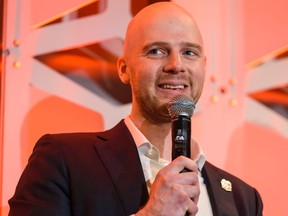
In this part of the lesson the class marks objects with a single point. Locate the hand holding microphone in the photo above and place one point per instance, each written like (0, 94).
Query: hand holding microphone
(175, 190)
(172, 192)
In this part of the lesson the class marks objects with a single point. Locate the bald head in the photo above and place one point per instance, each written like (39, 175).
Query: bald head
(161, 16)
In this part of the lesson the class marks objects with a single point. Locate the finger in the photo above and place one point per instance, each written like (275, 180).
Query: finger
(188, 178)
(193, 208)
(168, 180)
(187, 186)
(193, 191)
(181, 162)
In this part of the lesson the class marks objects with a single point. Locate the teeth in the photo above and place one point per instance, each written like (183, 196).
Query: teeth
(173, 87)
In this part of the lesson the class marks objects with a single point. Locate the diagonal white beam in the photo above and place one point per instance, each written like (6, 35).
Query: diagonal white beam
(50, 81)
(272, 74)
(79, 32)
(262, 115)
(42, 12)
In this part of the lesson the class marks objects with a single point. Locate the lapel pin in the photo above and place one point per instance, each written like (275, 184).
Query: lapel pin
(226, 185)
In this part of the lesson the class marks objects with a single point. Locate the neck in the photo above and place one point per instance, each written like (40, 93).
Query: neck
(157, 134)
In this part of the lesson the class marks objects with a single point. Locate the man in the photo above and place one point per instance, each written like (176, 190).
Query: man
(126, 170)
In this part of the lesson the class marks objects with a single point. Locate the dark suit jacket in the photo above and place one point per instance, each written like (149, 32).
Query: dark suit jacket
(93, 174)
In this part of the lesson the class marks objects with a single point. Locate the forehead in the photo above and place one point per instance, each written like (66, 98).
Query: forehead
(170, 25)
(161, 22)
(170, 29)
(172, 35)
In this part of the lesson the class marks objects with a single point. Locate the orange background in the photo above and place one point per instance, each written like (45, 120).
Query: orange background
(66, 81)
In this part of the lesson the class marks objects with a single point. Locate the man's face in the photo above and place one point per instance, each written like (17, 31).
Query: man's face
(164, 59)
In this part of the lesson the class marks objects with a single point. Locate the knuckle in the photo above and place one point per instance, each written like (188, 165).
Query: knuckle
(161, 173)
(181, 158)
(183, 198)
(175, 188)
(167, 180)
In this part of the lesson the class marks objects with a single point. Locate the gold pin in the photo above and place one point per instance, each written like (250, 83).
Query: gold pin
(226, 185)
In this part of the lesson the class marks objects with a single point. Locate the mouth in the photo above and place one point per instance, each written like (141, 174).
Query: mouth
(172, 87)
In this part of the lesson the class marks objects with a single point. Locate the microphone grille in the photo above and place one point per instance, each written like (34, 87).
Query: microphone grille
(181, 105)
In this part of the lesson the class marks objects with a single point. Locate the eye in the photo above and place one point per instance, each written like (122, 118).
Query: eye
(190, 53)
(156, 52)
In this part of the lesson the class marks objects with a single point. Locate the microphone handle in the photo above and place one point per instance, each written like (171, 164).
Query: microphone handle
(181, 135)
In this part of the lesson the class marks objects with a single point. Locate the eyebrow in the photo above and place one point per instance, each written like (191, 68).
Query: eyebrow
(166, 44)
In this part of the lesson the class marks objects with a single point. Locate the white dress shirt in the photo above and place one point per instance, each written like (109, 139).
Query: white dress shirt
(152, 163)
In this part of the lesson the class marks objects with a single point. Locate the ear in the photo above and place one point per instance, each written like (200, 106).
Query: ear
(122, 70)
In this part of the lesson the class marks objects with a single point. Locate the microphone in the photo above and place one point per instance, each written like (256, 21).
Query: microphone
(181, 108)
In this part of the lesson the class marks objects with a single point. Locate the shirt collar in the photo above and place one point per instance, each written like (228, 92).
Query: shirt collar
(145, 147)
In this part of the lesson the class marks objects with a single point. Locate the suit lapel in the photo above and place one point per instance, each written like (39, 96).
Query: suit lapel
(120, 157)
(222, 201)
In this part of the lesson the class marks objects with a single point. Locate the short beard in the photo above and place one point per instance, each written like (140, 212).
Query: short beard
(151, 111)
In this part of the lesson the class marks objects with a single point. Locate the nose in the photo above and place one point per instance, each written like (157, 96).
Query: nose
(173, 63)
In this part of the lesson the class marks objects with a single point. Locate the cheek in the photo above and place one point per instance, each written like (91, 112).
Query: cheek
(140, 81)
(144, 76)
(201, 79)
(145, 83)
(145, 72)
(200, 75)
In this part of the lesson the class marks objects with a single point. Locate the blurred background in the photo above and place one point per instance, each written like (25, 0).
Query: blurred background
(58, 74)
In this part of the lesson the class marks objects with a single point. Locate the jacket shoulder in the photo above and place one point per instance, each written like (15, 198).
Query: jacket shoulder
(222, 174)
(83, 138)
(246, 197)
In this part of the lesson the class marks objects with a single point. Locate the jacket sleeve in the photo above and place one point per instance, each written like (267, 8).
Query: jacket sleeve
(43, 188)
(259, 204)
